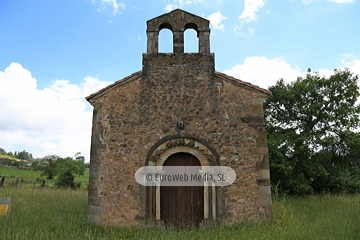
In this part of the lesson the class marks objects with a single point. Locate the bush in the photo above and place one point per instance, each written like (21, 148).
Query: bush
(65, 180)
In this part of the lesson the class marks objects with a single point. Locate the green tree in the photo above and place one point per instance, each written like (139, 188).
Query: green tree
(63, 168)
(304, 118)
(23, 155)
(2, 151)
(47, 166)
(341, 160)
(65, 179)
(66, 168)
(80, 165)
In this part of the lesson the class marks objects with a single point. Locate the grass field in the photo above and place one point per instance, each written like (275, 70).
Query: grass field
(28, 177)
(7, 156)
(59, 214)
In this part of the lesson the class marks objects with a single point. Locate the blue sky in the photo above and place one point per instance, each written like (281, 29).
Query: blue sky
(54, 53)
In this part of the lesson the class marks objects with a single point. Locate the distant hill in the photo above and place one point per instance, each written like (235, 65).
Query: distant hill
(9, 160)
(2, 156)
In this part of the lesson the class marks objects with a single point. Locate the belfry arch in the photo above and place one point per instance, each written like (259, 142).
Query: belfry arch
(191, 42)
(165, 41)
(187, 20)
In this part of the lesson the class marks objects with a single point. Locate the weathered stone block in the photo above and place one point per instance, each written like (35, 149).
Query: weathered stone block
(263, 201)
(263, 182)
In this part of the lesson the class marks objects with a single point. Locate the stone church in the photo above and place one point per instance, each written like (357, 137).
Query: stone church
(178, 111)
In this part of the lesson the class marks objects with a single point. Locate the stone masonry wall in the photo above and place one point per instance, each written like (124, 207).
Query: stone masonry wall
(132, 116)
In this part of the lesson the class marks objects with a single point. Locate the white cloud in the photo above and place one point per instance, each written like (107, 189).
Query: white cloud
(262, 71)
(307, 2)
(180, 3)
(137, 38)
(238, 30)
(54, 120)
(341, 1)
(251, 31)
(170, 7)
(250, 9)
(216, 19)
(248, 15)
(347, 58)
(350, 61)
(265, 72)
(113, 3)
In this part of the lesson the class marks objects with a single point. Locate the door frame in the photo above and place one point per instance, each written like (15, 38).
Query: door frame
(203, 162)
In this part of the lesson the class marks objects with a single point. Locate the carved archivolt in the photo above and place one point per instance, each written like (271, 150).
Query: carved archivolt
(182, 144)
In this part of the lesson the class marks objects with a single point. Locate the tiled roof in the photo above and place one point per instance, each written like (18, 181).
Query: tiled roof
(243, 83)
(137, 74)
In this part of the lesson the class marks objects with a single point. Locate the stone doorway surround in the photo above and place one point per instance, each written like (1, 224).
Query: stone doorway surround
(206, 156)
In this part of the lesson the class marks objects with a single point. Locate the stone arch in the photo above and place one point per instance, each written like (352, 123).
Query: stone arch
(189, 144)
(192, 26)
(191, 38)
(166, 147)
(165, 25)
(164, 37)
(185, 149)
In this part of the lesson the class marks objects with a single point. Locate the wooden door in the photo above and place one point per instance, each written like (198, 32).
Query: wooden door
(182, 205)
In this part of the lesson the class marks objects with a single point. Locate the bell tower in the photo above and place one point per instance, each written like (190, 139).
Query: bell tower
(177, 22)
(173, 77)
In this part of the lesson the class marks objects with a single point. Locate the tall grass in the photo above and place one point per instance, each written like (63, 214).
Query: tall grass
(60, 214)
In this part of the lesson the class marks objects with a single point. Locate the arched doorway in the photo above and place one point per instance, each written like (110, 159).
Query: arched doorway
(161, 152)
(182, 205)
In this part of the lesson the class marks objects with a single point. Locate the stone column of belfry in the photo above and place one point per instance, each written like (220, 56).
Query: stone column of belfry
(204, 41)
(178, 42)
(152, 41)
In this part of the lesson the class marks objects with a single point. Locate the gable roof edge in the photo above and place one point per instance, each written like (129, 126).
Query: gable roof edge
(178, 9)
(102, 91)
(246, 84)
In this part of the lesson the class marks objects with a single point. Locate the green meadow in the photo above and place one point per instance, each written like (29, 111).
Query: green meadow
(7, 156)
(51, 213)
(28, 178)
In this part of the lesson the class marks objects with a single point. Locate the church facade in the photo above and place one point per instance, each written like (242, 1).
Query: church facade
(178, 111)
